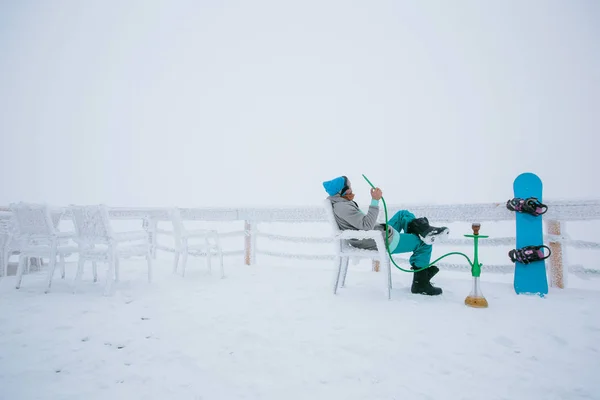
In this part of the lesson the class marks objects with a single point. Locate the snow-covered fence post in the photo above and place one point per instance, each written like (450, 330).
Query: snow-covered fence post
(376, 265)
(249, 242)
(556, 258)
(150, 225)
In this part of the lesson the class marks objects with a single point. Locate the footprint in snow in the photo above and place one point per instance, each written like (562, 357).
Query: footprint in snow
(560, 340)
(504, 341)
(119, 346)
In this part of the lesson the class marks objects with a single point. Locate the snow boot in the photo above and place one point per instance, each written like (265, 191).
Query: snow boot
(426, 232)
(421, 284)
(432, 271)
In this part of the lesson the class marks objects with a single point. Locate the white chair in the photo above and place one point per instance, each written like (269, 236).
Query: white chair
(6, 235)
(343, 250)
(98, 242)
(9, 245)
(37, 236)
(185, 243)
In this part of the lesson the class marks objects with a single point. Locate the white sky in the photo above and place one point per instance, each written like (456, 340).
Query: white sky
(205, 103)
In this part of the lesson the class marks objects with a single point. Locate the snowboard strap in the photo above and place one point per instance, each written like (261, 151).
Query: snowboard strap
(530, 205)
(529, 254)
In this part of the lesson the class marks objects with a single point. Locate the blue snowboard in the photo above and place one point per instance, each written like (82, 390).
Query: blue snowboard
(530, 278)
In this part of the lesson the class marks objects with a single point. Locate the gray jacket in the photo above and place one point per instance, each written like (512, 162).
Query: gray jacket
(349, 217)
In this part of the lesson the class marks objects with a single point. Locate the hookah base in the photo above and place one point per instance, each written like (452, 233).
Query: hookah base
(476, 302)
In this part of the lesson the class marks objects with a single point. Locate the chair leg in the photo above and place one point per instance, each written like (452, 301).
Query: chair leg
(184, 261)
(4, 260)
(79, 273)
(6, 256)
(51, 268)
(388, 266)
(22, 261)
(117, 273)
(95, 270)
(337, 274)
(345, 262)
(208, 256)
(176, 261)
(209, 261)
(62, 266)
(221, 261)
(109, 277)
(149, 260)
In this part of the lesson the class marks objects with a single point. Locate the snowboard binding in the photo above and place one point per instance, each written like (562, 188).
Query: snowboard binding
(529, 254)
(530, 205)
(427, 233)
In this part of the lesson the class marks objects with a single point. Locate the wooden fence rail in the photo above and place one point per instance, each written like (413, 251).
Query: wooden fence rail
(555, 236)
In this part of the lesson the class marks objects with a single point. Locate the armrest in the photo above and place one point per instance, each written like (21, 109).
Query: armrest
(350, 234)
(130, 236)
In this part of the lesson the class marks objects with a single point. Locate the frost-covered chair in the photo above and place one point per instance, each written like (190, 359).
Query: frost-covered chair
(6, 235)
(9, 245)
(195, 242)
(343, 250)
(98, 242)
(36, 236)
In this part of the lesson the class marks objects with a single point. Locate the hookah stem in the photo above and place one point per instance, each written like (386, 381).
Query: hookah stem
(476, 267)
(387, 244)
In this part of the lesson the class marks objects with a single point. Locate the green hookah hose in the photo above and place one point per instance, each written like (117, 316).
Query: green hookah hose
(387, 244)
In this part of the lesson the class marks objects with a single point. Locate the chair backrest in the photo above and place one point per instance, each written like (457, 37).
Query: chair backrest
(5, 225)
(178, 227)
(330, 216)
(32, 219)
(92, 225)
(5, 234)
(176, 218)
(56, 216)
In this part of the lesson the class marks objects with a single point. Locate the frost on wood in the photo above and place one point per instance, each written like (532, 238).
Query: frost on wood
(557, 211)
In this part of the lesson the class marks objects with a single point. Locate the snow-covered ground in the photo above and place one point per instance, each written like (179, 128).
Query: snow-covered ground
(277, 332)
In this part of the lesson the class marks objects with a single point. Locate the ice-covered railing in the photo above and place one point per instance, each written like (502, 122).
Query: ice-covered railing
(555, 236)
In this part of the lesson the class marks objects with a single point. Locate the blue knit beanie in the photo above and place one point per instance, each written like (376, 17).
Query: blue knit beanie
(335, 186)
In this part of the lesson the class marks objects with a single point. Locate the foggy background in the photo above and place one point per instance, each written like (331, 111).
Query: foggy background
(255, 103)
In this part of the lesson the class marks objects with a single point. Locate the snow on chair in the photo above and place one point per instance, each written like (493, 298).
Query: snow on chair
(6, 238)
(9, 245)
(98, 242)
(36, 236)
(343, 250)
(208, 243)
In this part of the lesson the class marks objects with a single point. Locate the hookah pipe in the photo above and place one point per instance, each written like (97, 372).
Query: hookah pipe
(475, 298)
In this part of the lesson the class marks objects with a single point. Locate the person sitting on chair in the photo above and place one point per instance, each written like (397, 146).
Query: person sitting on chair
(417, 238)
